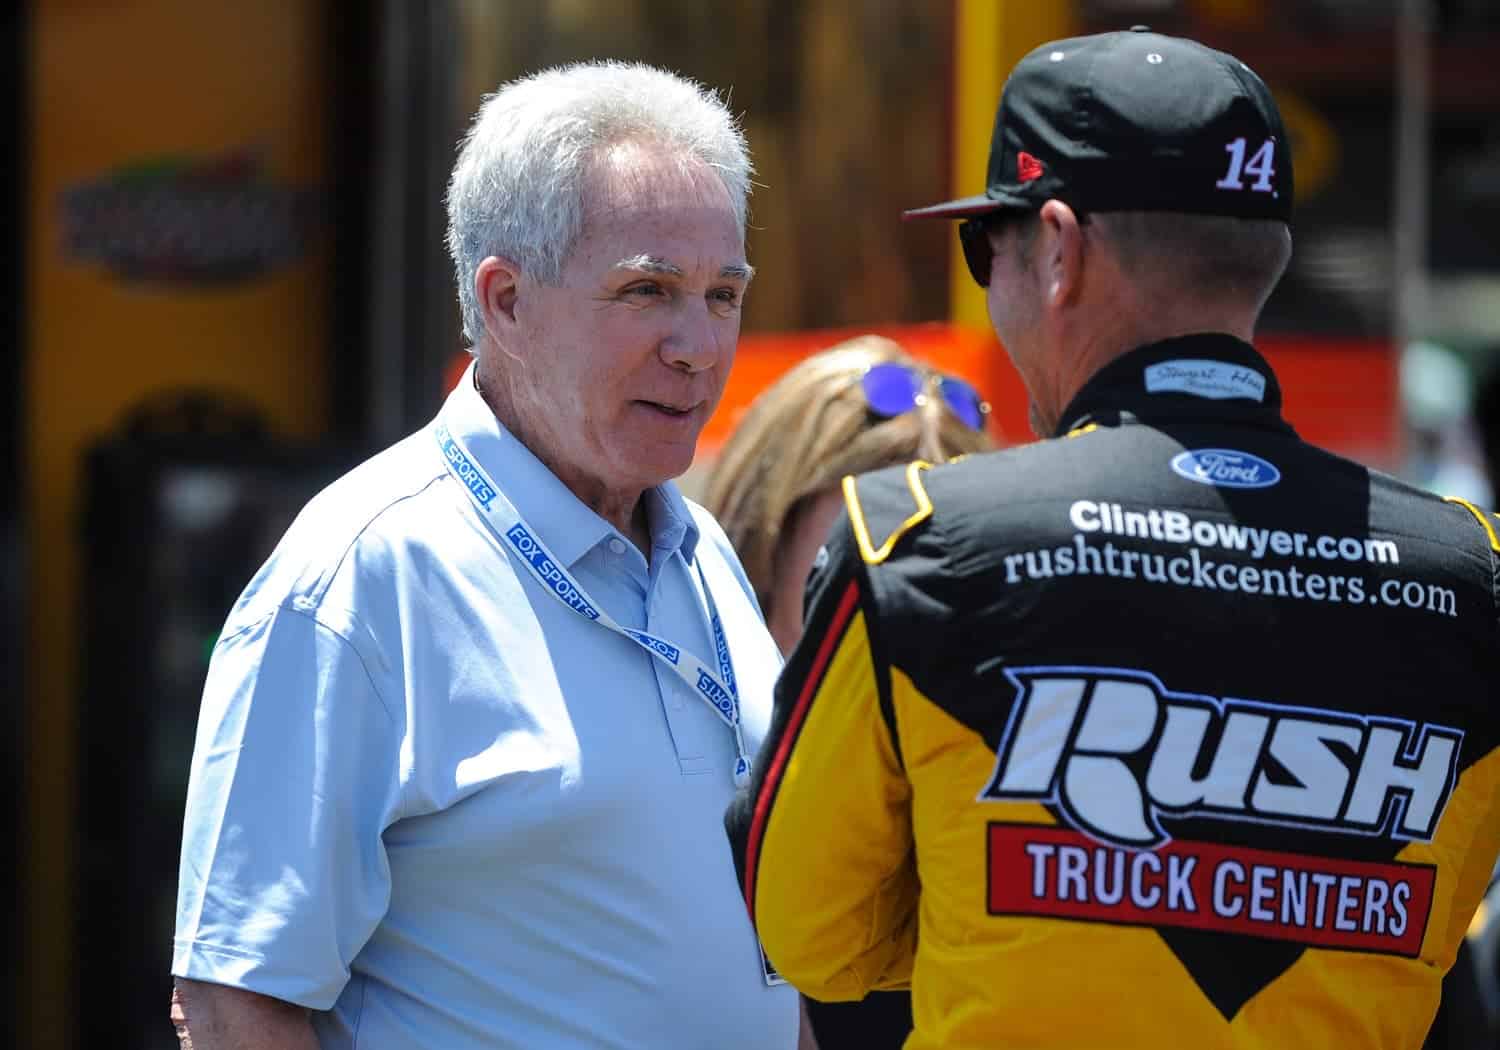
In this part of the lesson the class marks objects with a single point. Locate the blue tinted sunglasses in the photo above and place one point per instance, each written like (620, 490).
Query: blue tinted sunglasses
(893, 389)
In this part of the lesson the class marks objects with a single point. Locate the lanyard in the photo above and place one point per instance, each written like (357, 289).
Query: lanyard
(718, 691)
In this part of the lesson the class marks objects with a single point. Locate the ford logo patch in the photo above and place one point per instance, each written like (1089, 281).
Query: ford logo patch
(1225, 468)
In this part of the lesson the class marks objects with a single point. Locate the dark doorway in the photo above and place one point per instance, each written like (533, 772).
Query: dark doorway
(13, 89)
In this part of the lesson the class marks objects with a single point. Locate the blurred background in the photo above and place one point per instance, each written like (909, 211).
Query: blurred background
(225, 282)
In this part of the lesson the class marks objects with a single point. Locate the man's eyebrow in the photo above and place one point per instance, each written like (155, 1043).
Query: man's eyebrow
(650, 264)
(657, 265)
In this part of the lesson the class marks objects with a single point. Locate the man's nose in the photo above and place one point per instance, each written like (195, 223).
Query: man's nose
(696, 342)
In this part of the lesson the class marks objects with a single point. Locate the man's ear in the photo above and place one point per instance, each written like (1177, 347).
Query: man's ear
(1062, 259)
(497, 284)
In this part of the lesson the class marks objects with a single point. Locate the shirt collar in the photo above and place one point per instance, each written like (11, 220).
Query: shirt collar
(671, 522)
(1210, 377)
(566, 525)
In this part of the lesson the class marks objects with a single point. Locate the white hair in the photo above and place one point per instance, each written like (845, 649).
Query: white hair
(517, 186)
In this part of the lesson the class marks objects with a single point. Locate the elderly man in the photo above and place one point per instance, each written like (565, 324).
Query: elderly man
(467, 736)
(1169, 728)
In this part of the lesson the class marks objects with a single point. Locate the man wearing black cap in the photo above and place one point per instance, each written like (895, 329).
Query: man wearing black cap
(1169, 728)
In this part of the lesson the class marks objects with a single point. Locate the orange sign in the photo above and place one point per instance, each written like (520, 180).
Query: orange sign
(1338, 393)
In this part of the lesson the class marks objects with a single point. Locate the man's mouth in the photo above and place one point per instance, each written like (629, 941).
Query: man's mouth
(670, 410)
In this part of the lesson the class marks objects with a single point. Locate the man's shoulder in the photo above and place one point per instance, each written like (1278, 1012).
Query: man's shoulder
(360, 522)
(1019, 490)
(966, 474)
(1450, 526)
(886, 505)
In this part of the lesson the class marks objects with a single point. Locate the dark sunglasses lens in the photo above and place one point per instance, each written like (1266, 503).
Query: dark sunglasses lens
(891, 389)
(975, 240)
(964, 401)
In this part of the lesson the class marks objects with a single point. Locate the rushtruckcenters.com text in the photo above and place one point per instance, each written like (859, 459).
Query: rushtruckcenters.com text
(1086, 556)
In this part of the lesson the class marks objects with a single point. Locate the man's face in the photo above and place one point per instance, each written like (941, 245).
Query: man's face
(620, 365)
(1014, 300)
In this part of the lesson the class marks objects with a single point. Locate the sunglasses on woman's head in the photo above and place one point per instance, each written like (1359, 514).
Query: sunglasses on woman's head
(893, 389)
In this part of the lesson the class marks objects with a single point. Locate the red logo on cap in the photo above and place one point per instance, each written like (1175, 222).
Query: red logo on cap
(1027, 167)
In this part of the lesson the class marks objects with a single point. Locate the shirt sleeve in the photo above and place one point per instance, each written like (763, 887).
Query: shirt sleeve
(284, 874)
(822, 839)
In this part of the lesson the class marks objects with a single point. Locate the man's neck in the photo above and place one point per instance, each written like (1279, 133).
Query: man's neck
(624, 509)
(1086, 347)
(626, 512)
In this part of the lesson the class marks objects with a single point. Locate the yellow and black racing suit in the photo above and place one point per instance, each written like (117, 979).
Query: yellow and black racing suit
(1172, 730)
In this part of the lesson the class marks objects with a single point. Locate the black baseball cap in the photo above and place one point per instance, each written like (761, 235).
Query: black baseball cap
(1134, 121)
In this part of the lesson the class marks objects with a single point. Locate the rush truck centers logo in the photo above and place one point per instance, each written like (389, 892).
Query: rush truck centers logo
(1072, 730)
(1319, 901)
(1115, 753)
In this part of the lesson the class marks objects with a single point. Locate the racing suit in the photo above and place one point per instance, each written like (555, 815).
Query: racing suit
(1173, 729)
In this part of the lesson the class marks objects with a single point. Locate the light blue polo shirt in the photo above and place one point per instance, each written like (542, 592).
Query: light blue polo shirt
(433, 803)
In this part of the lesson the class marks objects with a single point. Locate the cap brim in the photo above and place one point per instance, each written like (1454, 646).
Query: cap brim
(963, 208)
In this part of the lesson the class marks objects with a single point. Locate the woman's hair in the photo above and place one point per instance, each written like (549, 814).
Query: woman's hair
(805, 432)
(517, 187)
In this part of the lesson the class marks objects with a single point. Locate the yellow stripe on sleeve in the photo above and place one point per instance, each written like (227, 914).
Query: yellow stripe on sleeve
(1479, 517)
(867, 549)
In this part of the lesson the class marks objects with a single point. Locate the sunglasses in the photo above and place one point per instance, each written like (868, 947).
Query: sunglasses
(893, 389)
(974, 238)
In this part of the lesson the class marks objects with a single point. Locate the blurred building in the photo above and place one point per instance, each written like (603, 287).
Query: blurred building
(232, 214)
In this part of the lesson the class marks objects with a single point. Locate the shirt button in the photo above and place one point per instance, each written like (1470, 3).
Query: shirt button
(617, 546)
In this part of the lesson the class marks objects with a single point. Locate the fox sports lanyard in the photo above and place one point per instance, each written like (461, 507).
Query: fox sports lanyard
(526, 548)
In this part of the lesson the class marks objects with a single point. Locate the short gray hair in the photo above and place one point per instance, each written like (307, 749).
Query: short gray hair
(517, 187)
(1207, 255)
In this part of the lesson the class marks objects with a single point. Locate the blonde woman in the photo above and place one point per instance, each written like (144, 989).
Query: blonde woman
(858, 406)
